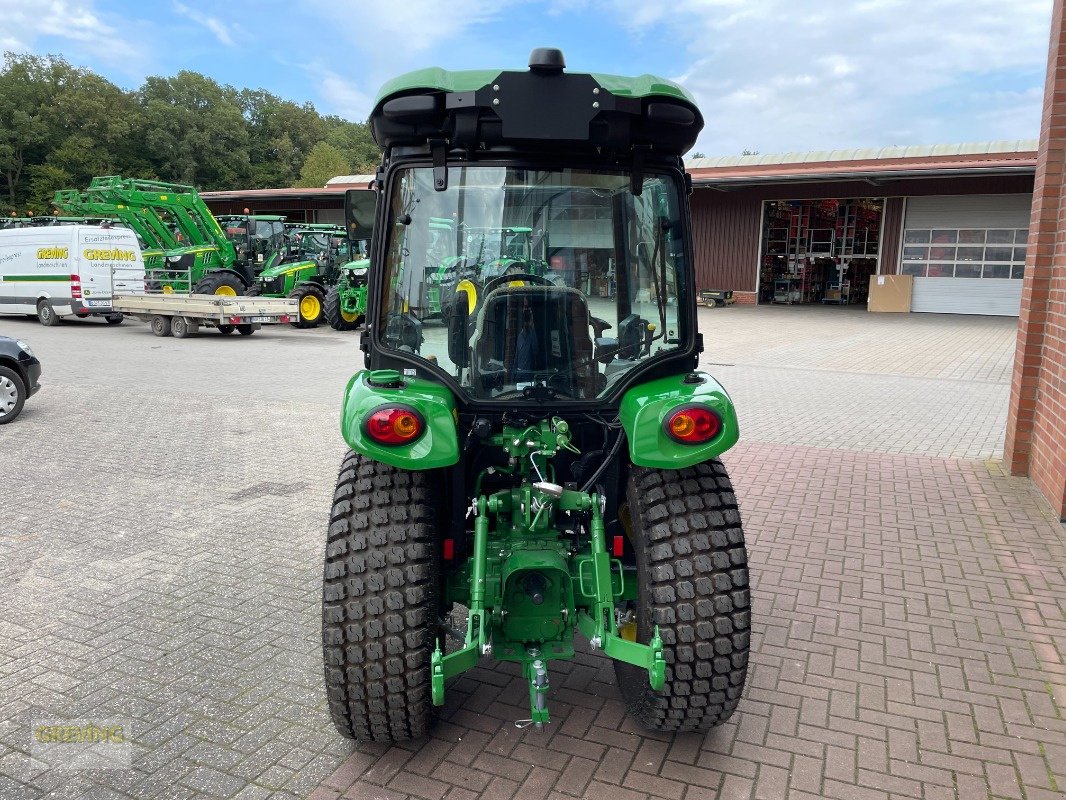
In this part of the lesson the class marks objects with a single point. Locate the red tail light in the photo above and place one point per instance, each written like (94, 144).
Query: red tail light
(449, 549)
(234, 320)
(394, 425)
(692, 425)
(75, 286)
(284, 318)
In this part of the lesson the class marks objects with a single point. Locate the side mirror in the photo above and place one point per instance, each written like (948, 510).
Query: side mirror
(458, 333)
(360, 210)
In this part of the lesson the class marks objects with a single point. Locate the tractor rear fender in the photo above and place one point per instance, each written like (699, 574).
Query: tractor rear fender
(646, 409)
(437, 445)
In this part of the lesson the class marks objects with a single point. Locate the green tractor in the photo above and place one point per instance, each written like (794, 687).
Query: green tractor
(306, 269)
(546, 462)
(201, 257)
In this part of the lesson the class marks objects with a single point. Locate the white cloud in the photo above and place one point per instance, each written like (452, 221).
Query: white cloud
(75, 21)
(212, 24)
(779, 75)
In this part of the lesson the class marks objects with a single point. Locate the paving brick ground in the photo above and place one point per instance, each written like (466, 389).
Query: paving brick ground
(161, 548)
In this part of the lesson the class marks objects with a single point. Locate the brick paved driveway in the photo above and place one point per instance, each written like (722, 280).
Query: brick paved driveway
(161, 556)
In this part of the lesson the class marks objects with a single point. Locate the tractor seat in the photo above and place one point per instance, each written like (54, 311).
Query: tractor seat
(533, 333)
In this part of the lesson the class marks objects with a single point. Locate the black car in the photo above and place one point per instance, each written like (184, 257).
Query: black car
(19, 372)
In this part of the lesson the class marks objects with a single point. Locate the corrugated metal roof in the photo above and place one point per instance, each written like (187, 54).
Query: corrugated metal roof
(350, 180)
(1026, 146)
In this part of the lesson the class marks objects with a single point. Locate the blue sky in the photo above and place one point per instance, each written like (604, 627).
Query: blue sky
(770, 75)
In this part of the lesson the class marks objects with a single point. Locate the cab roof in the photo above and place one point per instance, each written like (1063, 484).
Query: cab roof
(535, 109)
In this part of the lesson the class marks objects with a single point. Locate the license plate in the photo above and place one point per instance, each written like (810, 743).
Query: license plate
(98, 303)
(260, 319)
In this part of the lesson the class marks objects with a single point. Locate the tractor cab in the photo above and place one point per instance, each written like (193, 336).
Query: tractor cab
(542, 216)
(254, 238)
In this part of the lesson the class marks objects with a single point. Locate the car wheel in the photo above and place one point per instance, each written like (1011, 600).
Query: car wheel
(12, 394)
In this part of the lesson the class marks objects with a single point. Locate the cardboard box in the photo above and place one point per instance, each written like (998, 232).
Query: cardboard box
(890, 293)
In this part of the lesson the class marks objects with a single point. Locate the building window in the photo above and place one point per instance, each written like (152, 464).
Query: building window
(964, 253)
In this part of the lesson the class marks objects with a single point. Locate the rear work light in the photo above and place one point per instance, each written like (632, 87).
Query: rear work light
(394, 425)
(75, 287)
(692, 424)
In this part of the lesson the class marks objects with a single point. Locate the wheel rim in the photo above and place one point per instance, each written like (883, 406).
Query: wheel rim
(228, 291)
(46, 312)
(310, 308)
(349, 317)
(8, 395)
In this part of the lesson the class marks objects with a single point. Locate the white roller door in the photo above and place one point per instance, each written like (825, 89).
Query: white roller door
(991, 296)
(966, 252)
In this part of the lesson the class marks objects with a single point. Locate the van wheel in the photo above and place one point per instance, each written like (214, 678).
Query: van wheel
(114, 319)
(12, 394)
(46, 314)
(161, 326)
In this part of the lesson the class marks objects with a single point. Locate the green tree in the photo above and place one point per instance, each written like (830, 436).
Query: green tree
(323, 162)
(28, 126)
(195, 131)
(355, 141)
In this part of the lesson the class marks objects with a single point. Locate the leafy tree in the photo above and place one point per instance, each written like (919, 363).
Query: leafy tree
(61, 125)
(323, 162)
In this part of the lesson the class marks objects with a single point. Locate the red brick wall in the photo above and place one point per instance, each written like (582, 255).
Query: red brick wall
(1036, 427)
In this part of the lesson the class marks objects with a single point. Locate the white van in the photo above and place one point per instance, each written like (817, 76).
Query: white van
(62, 270)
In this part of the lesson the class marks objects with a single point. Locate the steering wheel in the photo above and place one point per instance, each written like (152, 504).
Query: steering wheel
(515, 276)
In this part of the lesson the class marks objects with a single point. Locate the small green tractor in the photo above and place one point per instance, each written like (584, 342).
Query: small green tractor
(540, 471)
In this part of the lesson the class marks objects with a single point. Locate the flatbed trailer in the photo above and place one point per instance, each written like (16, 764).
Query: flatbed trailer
(182, 315)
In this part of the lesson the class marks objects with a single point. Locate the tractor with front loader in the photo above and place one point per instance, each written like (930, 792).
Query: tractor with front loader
(202, 256)
(541, 472)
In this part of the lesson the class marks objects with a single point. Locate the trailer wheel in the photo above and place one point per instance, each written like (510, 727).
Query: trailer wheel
(12, 395)
(225, 330)
(161, 326)
(245, 330)
(310, 300)
(380, 601)
(338, 319)
(183, 327)
(46, 314)
(114, 319)
(692, 581)
(219, 283)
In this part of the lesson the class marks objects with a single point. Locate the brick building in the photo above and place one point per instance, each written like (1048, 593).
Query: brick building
(1036, 427)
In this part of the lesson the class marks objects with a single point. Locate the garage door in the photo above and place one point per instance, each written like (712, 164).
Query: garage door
(992, 296)
(966, 253)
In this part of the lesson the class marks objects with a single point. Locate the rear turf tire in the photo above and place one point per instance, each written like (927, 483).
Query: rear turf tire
(380, 601)
(334, 316)
(692, 581)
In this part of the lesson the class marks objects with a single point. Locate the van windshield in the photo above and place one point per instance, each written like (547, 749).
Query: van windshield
(533, 283)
